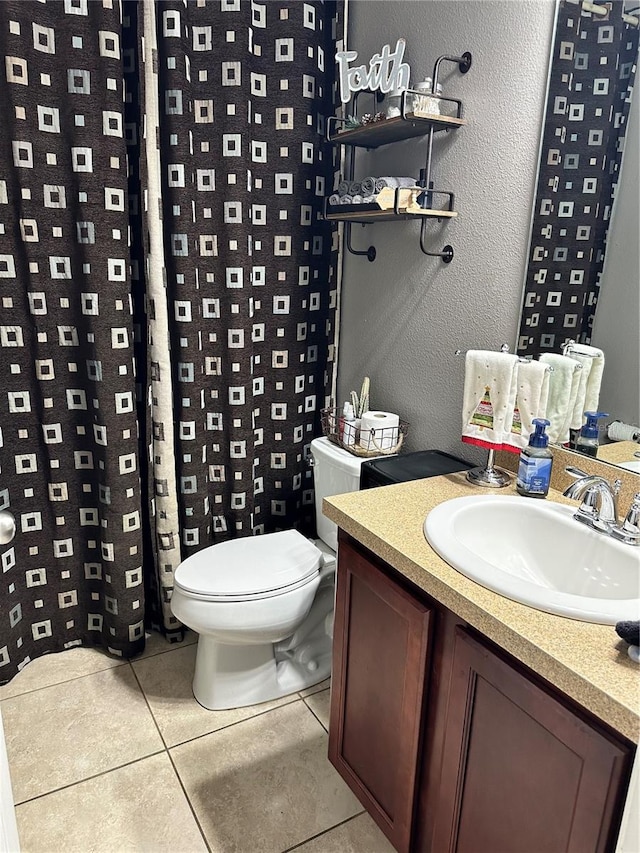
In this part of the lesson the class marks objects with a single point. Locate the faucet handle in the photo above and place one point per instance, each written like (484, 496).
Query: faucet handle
(629, 530)
(633, 516)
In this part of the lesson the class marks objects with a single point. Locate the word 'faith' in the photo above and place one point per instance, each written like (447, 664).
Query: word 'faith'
(386, 72)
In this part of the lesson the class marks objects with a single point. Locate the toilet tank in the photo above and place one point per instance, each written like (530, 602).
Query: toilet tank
(335, 471)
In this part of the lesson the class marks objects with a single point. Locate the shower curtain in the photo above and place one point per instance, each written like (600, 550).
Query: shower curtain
(167, 290)
(592, 75)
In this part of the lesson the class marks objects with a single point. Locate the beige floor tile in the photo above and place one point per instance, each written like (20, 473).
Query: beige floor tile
(320, 704)
(58, 667)
(141, 807)
(265, 784)
(360, 835)
(316, 688)
(67, 732)
(166, 682)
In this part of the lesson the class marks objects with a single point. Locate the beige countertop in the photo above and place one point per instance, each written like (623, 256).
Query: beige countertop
(587, 662)
(618, 452)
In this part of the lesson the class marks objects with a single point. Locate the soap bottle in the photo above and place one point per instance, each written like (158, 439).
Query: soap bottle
(534, 470)
(587, 442)
(349, 429)
(341, 422)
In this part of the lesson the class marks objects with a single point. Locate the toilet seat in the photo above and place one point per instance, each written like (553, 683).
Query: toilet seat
(250, 568)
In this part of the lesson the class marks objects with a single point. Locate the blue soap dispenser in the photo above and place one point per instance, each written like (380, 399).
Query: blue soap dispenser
(534, 471)
(587, 442)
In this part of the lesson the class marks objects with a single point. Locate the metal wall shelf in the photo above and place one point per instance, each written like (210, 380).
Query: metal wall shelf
(373, 135)
(390, 130)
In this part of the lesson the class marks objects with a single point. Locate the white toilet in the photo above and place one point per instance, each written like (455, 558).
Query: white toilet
(263, 605)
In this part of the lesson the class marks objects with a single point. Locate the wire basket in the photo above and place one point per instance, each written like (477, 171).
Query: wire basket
(392, 436)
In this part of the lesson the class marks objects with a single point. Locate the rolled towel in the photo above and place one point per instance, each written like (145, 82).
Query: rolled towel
(488, 398)
(564, 382)
(357, 199)
(532, 394)
(355, 188)
(346, 199)
(393, 182)
(368, 185)
(334, 198)
(343, 188)
(592, 361)
(368, 199)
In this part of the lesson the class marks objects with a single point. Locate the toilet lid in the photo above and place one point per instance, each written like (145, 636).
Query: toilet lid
(250, 567)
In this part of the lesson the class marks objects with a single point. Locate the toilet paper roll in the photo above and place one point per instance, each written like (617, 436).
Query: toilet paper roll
(379, 430)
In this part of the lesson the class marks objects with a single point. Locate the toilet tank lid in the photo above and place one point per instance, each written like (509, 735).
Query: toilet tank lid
(251, 565)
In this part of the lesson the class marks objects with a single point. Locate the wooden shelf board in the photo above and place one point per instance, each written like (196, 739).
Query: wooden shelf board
(386, 215)
(375, 134)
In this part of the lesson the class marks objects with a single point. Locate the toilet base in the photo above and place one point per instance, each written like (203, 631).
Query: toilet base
(235, 676)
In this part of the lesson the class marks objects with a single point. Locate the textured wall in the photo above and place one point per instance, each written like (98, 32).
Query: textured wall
(404, 315)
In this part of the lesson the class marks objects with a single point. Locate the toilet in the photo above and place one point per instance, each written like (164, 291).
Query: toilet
(263, 605)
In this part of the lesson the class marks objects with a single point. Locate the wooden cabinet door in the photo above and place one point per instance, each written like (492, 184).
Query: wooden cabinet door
(380, 653)
(521, 771)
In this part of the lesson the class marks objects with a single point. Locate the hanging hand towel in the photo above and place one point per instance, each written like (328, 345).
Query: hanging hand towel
(564, 381)
(532, 394)
(488, 398)
(592, 361)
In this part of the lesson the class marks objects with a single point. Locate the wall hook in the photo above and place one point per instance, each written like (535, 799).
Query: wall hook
(446, 254)
(370, 252)
(465, 64)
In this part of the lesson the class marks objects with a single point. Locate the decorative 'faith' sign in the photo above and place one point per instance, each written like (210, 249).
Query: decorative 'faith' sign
(386, 72)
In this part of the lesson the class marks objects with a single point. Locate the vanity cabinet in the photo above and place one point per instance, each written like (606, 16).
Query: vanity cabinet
(519, 763)
(382, 639)
(449, 742)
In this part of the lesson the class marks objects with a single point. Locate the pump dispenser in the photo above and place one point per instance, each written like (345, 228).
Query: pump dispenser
(349, 431)
(587, 441)
(534, 471)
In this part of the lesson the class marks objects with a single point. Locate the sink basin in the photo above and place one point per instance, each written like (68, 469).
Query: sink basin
(535, 552)
(632, 465)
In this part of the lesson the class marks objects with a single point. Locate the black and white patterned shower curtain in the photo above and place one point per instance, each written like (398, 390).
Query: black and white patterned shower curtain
(167, 287)
(244, 291)
(593, 68)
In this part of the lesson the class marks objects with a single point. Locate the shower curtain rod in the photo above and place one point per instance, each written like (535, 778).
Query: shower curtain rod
(602, 10)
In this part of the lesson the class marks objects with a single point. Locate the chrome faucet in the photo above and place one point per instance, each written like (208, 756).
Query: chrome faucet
(599, 506)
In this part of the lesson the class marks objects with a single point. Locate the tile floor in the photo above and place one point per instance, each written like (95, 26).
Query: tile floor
(109, 757)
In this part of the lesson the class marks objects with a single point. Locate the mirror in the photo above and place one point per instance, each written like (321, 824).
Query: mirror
(589, 107)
